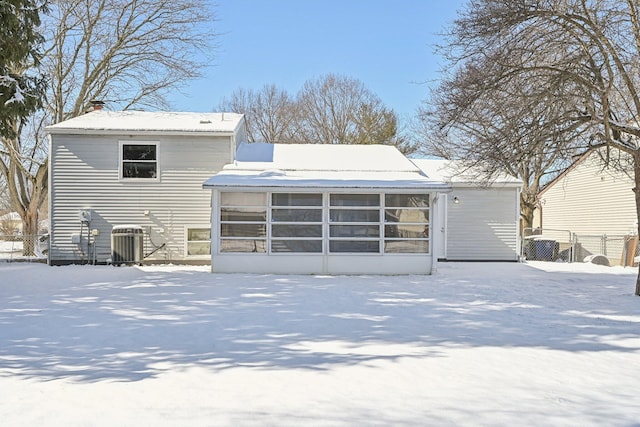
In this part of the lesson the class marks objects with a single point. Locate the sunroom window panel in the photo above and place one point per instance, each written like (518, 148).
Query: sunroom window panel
(370, 231)
(296, 246)
(243, 214)
(407, 231)
(243, 230)
(406, 246)
(296, 215)
(406, 215)
(354, 200)
(295, 230)
(354, 246)
(243, 245)
(243, 199)
(296, 199)
(354, 215)
(406, 200)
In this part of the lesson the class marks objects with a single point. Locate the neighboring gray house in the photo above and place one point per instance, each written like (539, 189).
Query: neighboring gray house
(481, 218)
(136, 177)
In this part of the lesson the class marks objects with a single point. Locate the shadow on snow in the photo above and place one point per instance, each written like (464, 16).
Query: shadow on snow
(129, 324)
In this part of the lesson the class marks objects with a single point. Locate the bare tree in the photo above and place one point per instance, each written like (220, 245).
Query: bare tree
(270, 114)
(514, 127)
(127, 52)
(592, 46)
(332, 109)
(337, 109)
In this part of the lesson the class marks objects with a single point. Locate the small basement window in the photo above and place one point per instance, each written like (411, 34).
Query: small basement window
(139, 160)
(198, 241)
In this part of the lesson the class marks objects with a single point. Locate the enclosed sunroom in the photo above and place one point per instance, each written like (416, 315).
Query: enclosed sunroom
(322, 209)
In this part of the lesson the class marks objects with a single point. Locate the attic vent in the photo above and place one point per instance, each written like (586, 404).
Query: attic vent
(205, 122)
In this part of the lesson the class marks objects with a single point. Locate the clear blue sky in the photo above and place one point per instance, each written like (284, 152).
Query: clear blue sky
(386, 44)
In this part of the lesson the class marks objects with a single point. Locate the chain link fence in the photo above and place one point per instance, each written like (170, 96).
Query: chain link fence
(564, 246)
(17, 247)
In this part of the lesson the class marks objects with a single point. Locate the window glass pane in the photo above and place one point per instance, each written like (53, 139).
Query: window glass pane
(139, 170)
(406, 246)
(199, 234)
(199, 248)
(243, 214)
(354, 215)
(355, 199)
(296, 215)
(243, 230)
(407, 231)
(354, 246)
(296, 199)
(296, 246)
(287, 230)
(354, 231)
(139, 152)
(406, 215)
(406, 200)
(242, 245)
(243, 199)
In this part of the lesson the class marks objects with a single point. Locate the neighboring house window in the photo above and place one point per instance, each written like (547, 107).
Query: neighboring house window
(198, 241)
(243, 222)
(139, 160)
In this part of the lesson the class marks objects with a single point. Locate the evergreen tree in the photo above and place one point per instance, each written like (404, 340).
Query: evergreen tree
(20, 87)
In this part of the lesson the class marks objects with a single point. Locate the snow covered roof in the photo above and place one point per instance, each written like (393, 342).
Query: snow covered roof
(321, 166)
(102, 121)
(454, 172)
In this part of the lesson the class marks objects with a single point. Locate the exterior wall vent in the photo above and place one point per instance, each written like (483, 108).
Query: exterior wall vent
(127, 244)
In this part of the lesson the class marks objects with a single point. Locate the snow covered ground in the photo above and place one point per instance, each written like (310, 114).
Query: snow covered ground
(474, 344)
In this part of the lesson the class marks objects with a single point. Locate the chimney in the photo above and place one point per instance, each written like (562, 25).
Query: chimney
(97, 105)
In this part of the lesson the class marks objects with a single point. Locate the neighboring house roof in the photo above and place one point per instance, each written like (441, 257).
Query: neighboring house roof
(321, 165)
(455, 172)
(167, 123)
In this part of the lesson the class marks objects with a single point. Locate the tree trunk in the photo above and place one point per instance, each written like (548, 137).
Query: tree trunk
(29, 232)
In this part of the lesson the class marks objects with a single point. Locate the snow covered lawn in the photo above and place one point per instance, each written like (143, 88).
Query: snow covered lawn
(474, 344)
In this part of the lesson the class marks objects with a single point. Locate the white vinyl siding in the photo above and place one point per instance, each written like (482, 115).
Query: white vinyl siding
(482, 226)
(84, 174)
(590, 199)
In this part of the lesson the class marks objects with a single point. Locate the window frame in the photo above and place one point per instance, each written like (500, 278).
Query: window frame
(423, 214)
(243, 239)
(121, 161)
(189, 227)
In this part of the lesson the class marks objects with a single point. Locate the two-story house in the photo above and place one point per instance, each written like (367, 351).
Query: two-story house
(128, 185)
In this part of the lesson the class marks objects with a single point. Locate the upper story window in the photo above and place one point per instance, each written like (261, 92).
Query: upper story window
(139, 160)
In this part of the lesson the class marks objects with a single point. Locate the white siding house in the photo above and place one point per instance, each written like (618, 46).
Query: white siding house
(481, 219)
(336, 209)
(142, 170)
(591, 207)
(589, 198)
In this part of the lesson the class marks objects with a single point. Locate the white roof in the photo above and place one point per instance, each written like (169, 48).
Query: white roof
(148, 122)
(321, 166)
(455, 172)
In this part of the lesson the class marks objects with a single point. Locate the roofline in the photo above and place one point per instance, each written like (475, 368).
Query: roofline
(569, 168)
(323, 186)
(81, 131)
